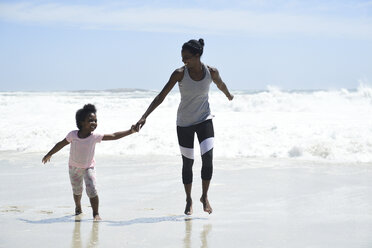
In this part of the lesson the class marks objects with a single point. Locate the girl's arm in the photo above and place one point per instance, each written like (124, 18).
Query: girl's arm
(174, 78)
(55, 149)
(220, 84)
(119, 135)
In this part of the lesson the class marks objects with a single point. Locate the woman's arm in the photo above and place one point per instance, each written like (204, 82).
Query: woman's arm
(220, 84)
(174, 78)
(119, 135)
(55, 149)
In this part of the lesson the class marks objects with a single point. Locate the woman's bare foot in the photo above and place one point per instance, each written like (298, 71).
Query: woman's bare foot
(97, 218)
(188, 209)
(207, 208)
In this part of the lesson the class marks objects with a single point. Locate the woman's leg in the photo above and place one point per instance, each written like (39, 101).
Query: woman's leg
(186, 142)
(205, 134)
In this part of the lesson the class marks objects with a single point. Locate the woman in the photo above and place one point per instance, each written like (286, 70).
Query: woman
(193, 115)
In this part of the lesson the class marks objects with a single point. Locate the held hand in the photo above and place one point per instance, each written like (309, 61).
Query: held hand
(230, 97)
(133, 129)
(140, 124)
(46, 158)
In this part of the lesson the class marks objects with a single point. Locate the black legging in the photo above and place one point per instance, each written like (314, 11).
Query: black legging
(205, 135)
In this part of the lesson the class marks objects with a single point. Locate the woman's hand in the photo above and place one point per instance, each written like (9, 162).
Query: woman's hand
(140, 124)
(133, 129)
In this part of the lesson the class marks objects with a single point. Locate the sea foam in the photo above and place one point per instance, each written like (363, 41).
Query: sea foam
(327, 125)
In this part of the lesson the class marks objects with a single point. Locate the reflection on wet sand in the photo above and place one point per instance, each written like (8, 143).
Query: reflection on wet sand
(203, 234)
(93, 241)
(188, 228)
(76, 236)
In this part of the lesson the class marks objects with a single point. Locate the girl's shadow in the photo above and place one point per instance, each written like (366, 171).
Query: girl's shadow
(146, 220)
(63, 219)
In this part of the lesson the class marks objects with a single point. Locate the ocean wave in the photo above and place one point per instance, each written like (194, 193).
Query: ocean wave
(327, 125)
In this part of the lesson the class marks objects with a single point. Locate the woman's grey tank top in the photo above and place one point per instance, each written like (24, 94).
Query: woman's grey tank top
(194, 105)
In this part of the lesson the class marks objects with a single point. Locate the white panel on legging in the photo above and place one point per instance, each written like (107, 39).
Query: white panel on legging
(187, 152)
(206, 145)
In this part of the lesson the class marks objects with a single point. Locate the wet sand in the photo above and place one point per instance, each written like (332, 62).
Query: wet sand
(256, 203)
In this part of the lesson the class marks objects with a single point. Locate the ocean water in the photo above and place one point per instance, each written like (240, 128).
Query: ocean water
(321, 125)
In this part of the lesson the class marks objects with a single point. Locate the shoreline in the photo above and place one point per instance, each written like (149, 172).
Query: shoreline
(263, 203)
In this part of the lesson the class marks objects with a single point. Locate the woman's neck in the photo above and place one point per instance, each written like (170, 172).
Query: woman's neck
(197, 72)
(197, 68)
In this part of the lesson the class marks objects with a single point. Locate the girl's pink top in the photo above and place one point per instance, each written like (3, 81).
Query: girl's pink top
(82, 150)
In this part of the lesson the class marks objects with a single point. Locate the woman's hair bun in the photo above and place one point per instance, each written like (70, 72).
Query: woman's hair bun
(201, 41)
(194, 46)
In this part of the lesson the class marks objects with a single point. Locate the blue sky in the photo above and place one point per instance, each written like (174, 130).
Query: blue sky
(97, 45)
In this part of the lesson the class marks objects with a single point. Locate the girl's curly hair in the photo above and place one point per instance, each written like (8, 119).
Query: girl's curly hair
(81, 114)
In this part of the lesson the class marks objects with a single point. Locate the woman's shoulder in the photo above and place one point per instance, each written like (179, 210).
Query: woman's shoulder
(180, 70)
(212, 69)
(179, 73)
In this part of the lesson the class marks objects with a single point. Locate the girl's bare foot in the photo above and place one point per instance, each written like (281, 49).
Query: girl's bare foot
(97, 218)
(78, 210)
(207, 208)
(188, 209)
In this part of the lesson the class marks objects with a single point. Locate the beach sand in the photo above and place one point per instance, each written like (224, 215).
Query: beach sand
(256, 203)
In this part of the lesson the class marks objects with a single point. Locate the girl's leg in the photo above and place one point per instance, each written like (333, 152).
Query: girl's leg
(205, 134)
(76, 178)
(91, 189)
(186, 143)
(77, 200)
(94, 202)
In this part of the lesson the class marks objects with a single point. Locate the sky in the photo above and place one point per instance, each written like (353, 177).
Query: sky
(99, 45)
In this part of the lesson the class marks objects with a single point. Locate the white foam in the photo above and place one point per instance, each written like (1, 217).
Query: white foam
(324, 125)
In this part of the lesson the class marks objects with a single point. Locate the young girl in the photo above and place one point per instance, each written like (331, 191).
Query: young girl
(81, 160)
